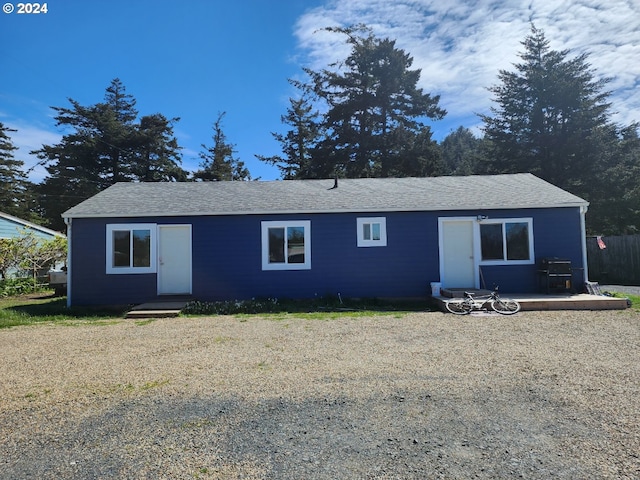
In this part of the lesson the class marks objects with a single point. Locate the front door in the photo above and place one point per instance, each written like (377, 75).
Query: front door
(457, 262)
(174, 259)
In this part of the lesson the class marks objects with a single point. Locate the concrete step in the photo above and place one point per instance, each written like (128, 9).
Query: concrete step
(157, 309)
(152, 314)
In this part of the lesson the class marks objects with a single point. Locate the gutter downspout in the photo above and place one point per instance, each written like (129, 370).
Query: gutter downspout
(67, 220)
(583, 212)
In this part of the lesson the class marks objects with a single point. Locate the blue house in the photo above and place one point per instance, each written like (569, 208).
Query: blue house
(11, 227)
(376, 237)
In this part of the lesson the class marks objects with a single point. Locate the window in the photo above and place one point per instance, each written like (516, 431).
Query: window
(131, 248)
(508, 240)
(286, 245)
(372, 232)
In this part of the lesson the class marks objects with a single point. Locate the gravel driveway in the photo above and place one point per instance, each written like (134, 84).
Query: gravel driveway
(427, 395)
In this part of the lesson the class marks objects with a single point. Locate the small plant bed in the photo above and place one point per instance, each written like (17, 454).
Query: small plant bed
(13, 287)
(332, 306)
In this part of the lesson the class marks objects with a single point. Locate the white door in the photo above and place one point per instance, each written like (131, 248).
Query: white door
(457, 263)
(174, 259)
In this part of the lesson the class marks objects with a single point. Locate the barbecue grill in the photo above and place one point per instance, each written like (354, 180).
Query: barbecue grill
(555, 274)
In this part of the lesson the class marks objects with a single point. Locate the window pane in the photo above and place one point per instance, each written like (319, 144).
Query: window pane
(276, 245)
(141, 248)
(517, 241)
(121, 250)
(375, 227)
(491, 241)
(366, 231)
(295, 245)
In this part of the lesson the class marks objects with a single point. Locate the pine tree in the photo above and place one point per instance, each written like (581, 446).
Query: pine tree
(374, 110)
(104, 145)
(615, 195)
(158, 154)
(218, 161)
(14, 185)
(550, 115)
(299, 142)
(461, 152)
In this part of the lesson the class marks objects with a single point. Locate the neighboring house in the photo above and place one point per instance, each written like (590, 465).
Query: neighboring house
(384, 237)
(11, 227)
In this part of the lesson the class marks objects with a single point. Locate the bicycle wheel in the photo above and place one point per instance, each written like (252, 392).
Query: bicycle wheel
(459, 307)
(505, 306)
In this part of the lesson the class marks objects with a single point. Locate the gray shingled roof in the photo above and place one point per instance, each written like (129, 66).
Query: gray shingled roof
(314, 196)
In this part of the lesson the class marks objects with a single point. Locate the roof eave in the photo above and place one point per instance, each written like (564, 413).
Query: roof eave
(323, 211)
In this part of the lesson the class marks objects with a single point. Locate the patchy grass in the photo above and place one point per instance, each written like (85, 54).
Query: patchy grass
(635, 300)
(46, 308)
(146, 321)
(154, 384)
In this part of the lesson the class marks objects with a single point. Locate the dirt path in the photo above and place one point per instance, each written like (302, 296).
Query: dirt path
(428, 395)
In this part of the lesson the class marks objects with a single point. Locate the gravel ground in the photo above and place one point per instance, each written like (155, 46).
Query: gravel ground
(427, 395)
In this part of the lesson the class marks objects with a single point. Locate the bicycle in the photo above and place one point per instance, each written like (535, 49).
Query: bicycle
(470, 302)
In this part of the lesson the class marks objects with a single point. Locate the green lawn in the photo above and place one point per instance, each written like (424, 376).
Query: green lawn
(47, 308)
(635, 300)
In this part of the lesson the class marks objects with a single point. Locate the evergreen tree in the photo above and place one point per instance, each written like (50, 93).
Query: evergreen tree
(615, 194)
(218, 162)
(118, 131)
(14, 185)
(104, 145)
(550, 116)
(413, 154)
(95, 154)
(462, 153)
(299, 142)
(158, 153)
(373, 103)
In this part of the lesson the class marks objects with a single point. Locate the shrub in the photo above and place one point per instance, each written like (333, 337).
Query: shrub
(11, 287)
(327, 303)
(233, 307)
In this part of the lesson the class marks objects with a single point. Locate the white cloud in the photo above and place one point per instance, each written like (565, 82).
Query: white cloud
(460, 46)
(28, 138)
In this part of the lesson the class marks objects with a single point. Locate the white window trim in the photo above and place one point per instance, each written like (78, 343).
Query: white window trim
(362, 242)
(504, 261)
(265, 226)
(152, 227)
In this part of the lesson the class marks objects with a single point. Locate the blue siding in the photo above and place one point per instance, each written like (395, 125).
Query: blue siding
(11, 229)
(227, 260)
(557, 233)
(229, 263)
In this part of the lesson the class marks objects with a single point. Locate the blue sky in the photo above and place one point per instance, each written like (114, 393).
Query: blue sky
(196, 58)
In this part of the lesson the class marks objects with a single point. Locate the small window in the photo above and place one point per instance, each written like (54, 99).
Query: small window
(372, 232)
(286, 245)
(507, 241)
(131, 248)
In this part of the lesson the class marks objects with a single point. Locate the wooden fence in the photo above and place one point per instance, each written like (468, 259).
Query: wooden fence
(618, 263)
